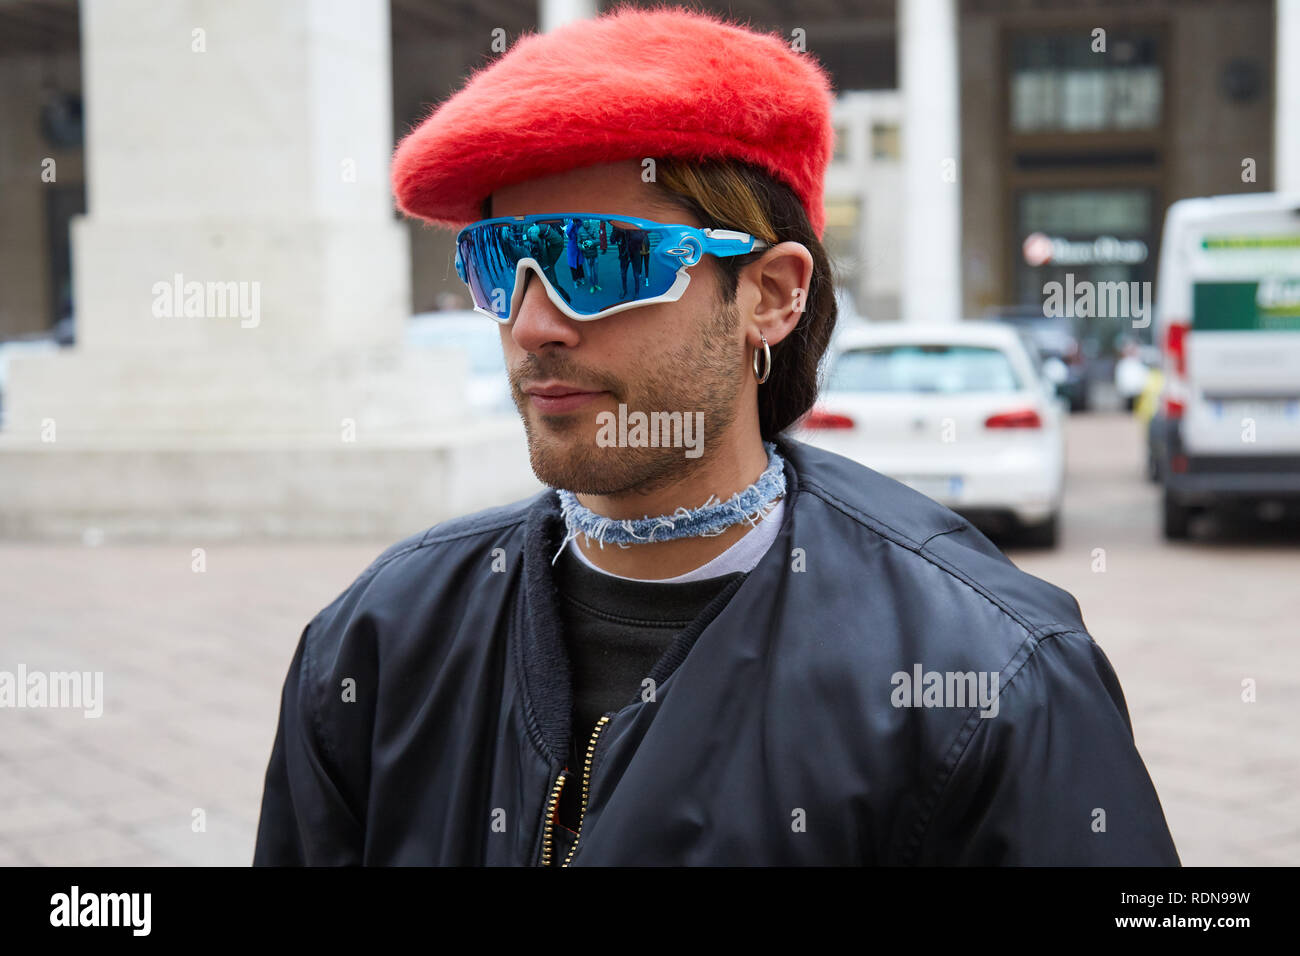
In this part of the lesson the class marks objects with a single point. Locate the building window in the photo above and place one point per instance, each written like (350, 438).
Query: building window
(884, 141)
(843, 229)
(1085, 237)
(841, 144)
(857, 62)
(1059, 84)
(1086, 212)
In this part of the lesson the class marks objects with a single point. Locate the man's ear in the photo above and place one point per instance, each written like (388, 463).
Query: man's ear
(776, 291)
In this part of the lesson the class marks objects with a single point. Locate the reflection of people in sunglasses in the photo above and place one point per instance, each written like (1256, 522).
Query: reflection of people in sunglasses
(575, 254)
(645, 256)
(546, 243)
(631, 245)
(516, 242)
(505, 246)
(589, 240)
(624, 257)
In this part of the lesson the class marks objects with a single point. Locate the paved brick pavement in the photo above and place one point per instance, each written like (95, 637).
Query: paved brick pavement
(193, 664)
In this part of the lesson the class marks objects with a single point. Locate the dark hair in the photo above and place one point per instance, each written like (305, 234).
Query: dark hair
(736, 195)
(729, 194)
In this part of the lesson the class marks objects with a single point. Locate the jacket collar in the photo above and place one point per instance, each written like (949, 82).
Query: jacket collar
(543, 659)
(544, 663)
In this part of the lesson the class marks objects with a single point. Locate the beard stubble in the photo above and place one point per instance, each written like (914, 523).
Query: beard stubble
(702, 375)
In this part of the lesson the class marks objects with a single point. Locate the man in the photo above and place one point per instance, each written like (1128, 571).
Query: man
(705, 643)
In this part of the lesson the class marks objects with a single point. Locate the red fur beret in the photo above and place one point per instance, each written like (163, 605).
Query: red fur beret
(632, 83)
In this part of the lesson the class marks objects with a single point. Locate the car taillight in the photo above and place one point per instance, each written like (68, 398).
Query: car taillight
(1176, 345)
(1021, 418)
(820, 418)
(1173, 408)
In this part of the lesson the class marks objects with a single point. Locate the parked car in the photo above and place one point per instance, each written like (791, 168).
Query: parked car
(846, 307)
(16, 348)
(1063, 358)
(1228, 318)
(488, 390)
(957, 411)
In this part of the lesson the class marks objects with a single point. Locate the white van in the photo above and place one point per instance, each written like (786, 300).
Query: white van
(1228, 322)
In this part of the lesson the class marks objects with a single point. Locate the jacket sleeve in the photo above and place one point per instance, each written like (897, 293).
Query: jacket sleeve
(1054, 777)
(305, 818)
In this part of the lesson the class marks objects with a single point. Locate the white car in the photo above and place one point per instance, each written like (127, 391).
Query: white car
(488, 387)
(960, 412)
(17, 348)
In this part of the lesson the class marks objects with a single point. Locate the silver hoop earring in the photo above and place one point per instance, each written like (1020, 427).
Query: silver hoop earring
(767, 361)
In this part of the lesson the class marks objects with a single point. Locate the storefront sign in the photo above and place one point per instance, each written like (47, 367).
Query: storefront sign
(1040, 249)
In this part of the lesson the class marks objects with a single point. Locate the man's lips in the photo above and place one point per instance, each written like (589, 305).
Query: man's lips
(557, 398)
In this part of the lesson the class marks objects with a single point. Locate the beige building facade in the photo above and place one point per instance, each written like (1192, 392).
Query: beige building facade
(1200, 73)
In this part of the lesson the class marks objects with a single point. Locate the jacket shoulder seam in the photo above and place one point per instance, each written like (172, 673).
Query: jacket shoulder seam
(897, 537)
(430, 538)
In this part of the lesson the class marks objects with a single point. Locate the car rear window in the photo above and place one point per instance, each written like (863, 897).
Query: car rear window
(484, 348)
(943, 369)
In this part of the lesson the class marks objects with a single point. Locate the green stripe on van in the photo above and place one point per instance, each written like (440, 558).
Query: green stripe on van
(1246, 307)
(1251, 242)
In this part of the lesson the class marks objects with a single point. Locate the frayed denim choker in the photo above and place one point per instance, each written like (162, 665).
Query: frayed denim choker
(711, 518)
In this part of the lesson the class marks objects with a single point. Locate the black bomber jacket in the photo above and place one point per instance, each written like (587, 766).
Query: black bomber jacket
(884, 687)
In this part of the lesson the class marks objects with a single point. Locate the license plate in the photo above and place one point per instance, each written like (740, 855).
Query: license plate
(934, 486)
(1232, 409)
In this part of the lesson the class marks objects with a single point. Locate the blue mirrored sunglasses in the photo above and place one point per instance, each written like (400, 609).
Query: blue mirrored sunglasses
(592, 265)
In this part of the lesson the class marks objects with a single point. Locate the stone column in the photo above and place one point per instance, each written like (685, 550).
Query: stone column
(931, 136)
(241, 285)
(239, 142)
(556, 13)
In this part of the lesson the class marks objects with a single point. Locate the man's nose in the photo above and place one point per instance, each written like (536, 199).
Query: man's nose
(538, 323)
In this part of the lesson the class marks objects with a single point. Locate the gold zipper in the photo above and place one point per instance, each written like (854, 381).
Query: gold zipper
(548, 835)
(586, 784)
